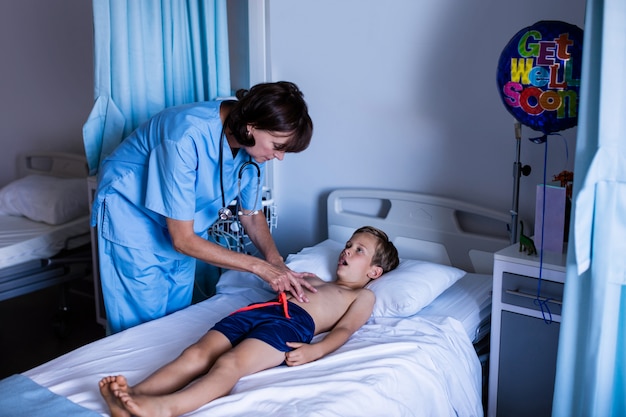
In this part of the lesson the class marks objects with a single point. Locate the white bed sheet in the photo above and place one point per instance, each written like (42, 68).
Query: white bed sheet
(23, 240)
(419, 366)
(468, 301)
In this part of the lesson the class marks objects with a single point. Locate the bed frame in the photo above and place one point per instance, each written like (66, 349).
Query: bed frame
(73, 261)
(422, 226)
(56, 164)
(429, 228)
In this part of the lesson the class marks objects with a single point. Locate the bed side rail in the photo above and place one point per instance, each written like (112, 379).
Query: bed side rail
(57, 164)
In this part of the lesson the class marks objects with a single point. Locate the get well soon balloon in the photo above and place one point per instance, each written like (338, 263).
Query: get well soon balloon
(539, 75)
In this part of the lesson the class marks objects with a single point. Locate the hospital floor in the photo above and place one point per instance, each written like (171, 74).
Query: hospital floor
(33, 330)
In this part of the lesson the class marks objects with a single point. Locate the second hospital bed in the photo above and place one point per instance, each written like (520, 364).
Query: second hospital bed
(44, 224)
(418, 355)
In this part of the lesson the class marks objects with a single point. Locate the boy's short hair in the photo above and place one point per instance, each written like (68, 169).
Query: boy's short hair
(386, 255)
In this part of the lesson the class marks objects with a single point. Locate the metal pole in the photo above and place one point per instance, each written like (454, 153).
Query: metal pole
(517, 169)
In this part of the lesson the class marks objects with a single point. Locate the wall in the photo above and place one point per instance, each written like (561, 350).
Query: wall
(46, 77)
(238, 43)
(403, 96)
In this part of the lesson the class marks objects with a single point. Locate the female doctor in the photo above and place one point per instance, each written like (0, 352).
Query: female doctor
(167, 183)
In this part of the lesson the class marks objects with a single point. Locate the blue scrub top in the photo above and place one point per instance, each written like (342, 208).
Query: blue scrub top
(169, 167)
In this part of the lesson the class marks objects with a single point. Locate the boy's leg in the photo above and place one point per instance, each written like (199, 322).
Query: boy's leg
(250, 356)
(194, 361)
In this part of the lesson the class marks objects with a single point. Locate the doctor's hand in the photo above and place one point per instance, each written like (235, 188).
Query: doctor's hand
(281, 278)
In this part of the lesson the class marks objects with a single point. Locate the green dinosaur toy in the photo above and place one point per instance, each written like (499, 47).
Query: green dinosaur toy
(526, 244)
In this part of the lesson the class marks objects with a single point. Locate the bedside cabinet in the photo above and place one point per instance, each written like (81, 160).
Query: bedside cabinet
(524, 339)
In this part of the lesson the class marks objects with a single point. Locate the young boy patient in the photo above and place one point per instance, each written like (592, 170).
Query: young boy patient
(262, 336)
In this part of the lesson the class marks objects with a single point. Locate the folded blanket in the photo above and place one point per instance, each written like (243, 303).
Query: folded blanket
(20, 396)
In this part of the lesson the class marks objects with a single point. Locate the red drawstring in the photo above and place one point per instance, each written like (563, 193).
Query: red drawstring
(282, 300)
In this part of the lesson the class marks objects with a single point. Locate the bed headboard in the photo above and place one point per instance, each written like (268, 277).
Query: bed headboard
(57, 164)
(422, 226)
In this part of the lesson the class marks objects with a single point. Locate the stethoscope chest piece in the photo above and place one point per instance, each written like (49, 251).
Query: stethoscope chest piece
(225, 213)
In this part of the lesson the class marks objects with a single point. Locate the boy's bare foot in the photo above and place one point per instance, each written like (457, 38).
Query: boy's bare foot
(142, 405)
(120, 383)
(113, 402)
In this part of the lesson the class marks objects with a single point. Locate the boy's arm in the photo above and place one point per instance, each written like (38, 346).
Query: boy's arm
(357, 314)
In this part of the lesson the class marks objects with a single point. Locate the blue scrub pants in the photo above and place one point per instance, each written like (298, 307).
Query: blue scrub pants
(139, 286)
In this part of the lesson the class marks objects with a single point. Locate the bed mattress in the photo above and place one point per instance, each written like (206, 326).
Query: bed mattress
(23, 240)
(391, 353)
(468, 301)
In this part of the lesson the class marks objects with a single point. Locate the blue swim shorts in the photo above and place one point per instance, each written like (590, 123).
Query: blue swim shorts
(269, 325)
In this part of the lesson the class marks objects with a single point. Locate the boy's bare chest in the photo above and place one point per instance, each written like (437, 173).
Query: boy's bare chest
(328, 303)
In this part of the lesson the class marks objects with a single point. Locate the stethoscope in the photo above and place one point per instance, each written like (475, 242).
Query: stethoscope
(225, 213)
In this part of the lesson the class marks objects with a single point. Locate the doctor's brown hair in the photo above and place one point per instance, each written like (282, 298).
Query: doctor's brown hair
(275, 107)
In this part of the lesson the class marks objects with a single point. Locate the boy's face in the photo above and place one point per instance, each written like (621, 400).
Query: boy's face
(355, 261)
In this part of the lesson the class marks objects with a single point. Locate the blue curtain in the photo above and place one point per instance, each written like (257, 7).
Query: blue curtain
(591, 364)
(152, 54)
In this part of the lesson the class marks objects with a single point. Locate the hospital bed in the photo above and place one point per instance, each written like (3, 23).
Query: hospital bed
(416, 356)
(44, 224)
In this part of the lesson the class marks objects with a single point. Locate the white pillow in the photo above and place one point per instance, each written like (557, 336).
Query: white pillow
(410, 287)
(399, 293)
(45, 199)
(320, 259)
